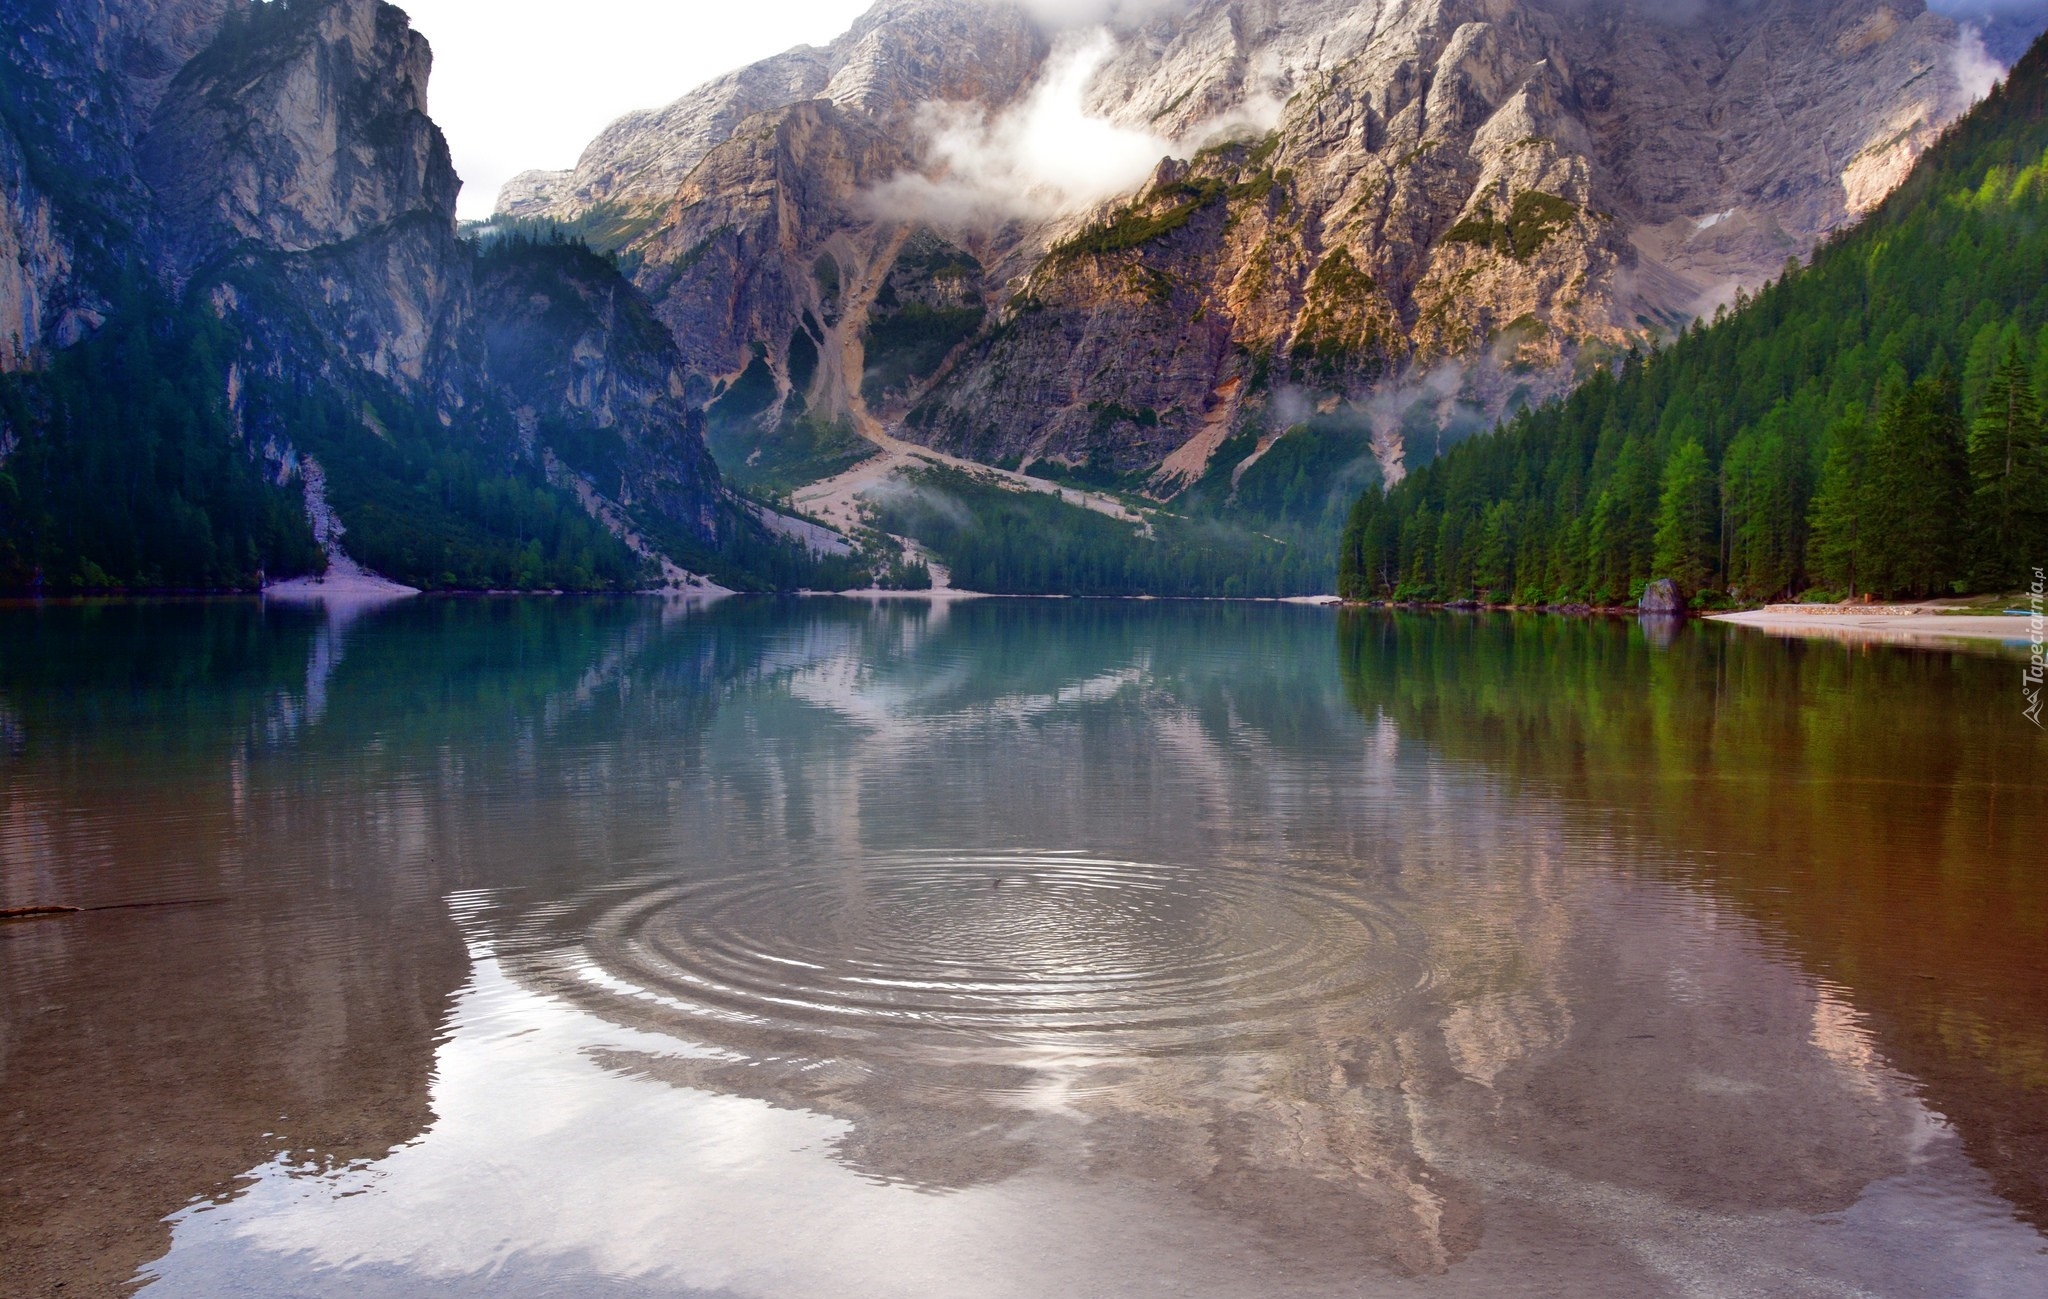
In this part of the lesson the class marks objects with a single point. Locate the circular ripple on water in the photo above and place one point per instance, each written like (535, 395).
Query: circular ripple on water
(1076, 952)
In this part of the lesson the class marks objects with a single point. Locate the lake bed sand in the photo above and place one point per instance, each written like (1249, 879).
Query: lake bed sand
(1888, 624)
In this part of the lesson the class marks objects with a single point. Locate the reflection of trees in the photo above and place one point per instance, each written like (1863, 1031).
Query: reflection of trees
(1875, 808)
(156, 1055)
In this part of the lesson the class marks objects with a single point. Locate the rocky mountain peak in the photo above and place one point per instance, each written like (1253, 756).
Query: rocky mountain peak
(265, 176)
(1366, 194)
(898, 57)
(350, 149)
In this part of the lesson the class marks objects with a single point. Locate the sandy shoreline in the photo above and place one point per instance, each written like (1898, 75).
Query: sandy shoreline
(941, 593)
(1896, 624)
(359, 585)
(957, 593)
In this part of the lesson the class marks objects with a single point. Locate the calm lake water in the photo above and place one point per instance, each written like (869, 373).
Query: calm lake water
(1012, 948)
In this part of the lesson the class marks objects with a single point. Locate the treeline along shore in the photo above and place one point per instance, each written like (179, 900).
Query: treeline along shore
(1867, 424)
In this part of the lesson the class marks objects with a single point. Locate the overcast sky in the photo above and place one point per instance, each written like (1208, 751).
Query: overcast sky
(527, 83)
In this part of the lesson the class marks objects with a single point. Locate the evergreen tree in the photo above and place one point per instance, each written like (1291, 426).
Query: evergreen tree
(2008, 477)
(1836, 554)
(1948, 268)
(1493, 559)
(1567, 575)
(1987, 345)
(1763, 491)
(1687, 547)
(131, 472)
(1368, 550)
(1621, 538)
(2041, 362)
(1914, 490)
(1453, 563)
(1418, 542)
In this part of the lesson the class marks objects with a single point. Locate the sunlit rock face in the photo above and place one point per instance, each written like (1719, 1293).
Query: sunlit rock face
(349, 146)
(296, 156)
(1446, 204)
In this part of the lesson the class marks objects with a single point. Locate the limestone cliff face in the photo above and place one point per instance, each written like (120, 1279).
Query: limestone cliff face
(79, 82)
(35, 267)
(309, 129)
(594, 379)
(900, 55)
(765, 245)
(1413, 211)
(297, 152)
(276, 163)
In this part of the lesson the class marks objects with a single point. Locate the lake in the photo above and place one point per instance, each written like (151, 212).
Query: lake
(777, 948)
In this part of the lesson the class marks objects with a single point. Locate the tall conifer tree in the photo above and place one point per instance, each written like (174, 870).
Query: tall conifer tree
(1914, 491)
(1687, 545)
(1838, 542)
(2008, 477)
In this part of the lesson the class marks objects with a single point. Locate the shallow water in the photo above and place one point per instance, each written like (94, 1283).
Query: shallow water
(799, 948)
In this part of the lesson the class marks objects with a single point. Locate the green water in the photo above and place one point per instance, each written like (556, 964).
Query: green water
(785, 948)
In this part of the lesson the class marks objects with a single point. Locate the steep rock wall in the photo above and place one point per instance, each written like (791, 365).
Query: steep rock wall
(79, 80)
(274, 165)
(1416, 212)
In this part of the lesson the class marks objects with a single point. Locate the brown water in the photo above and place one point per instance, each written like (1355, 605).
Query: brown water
(537, 947)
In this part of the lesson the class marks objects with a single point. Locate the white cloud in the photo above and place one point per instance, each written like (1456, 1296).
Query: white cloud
(1043, 156)
(1046, 155)
(1976, 71)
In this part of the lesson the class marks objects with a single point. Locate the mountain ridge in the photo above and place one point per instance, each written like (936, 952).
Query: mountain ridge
(1864, 424)
(261, 189)
(1692, 156)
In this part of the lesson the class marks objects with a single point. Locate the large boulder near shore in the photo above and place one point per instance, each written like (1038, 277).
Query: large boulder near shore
(1661, 596)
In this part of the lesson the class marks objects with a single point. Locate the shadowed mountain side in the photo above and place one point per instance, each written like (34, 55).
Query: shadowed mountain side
(594, 378)
(254, 200)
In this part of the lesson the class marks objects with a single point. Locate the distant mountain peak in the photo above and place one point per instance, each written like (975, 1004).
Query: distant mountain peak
(1520, 191)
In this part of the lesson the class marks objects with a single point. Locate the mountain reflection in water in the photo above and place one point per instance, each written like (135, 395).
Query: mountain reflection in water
(1013, 947)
